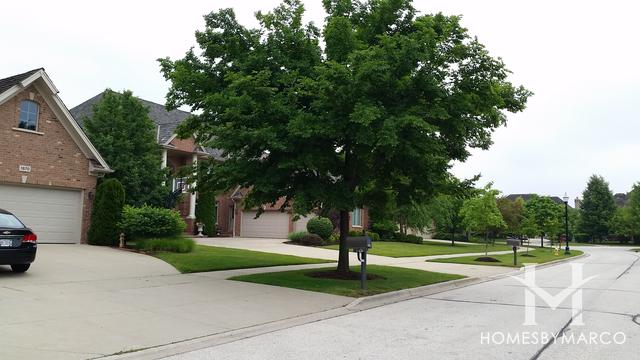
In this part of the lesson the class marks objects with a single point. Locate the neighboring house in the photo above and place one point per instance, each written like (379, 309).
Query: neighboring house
(232, 218)
(48, 166)
(176, 153)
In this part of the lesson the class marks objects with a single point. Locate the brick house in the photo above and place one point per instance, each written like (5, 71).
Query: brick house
(232, 218)
(48, 166)
(176, 153)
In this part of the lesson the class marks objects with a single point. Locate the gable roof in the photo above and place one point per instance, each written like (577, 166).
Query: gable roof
(166, 120)
(13, 85)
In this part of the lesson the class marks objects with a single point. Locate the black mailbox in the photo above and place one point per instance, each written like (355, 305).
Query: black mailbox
(359, 243)
(514, 242)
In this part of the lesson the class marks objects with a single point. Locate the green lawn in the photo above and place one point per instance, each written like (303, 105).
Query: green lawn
(394, 279)
(401, 249)
(211, 258)
(539, 256)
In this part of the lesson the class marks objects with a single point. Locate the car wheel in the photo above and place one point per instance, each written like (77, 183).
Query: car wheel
(20, 268)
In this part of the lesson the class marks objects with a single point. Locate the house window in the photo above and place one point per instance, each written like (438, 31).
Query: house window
(180, 183)
(28, 115)
(356, 217)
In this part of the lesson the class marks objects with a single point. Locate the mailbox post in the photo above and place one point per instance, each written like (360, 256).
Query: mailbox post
(515, 243)
(360, 245)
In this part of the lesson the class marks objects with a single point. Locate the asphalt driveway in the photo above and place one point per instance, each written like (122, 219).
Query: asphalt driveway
(80, 301)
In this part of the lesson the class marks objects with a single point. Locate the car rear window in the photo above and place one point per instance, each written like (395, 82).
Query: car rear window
(10, 221)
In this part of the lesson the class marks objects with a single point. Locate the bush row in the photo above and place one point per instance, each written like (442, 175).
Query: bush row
(177, 244)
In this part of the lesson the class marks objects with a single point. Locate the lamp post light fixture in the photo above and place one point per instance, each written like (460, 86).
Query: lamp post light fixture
(565, 198)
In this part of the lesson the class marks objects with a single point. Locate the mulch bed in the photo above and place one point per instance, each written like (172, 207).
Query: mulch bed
(351, 275)
(487, 259)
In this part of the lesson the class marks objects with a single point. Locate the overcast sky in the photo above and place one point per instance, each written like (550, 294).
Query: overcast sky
(579, 57)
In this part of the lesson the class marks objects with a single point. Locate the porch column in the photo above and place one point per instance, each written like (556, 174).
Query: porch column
(164, 158)
(192, 202)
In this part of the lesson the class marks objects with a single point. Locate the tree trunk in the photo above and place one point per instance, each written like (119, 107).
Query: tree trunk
(542, 240)
(453, 236)
(486, 243)
(343, 256)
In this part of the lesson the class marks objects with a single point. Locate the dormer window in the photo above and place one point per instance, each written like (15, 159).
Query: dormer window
(29, 115)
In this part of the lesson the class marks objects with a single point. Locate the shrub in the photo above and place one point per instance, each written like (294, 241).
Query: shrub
(447, 236)
(147, 221)
(385, 229)
(320, 226)
(206, 212)
(334, 239)
(311, 240)
(297, 235)
(409, 238)
(177, 245)
(373, 235)
(106, 214)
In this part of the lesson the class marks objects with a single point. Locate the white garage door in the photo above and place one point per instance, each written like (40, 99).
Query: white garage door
(301, 224)
(271, 224)
(54, 215)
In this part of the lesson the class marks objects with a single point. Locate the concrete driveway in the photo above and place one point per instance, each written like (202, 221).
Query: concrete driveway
(80, 301)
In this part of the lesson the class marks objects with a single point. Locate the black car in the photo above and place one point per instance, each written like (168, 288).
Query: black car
(17, 243)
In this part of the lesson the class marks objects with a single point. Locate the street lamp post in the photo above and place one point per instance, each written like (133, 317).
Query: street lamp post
(565, 198)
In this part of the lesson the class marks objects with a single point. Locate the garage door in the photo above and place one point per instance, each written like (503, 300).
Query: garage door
(301, 224)
(271, 224)
(54, 215)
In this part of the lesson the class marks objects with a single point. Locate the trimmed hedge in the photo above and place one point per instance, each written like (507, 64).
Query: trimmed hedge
(176, 245)
(320, 226)
(148, 221)
(106, 214)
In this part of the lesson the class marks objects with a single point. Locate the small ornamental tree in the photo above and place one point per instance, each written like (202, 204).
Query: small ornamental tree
(542, 216)
(380, 97)
(107, 213)
(634, 213)
(445, 211)
(481, 214)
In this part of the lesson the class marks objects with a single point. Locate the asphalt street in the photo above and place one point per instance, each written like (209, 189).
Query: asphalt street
(484, 320)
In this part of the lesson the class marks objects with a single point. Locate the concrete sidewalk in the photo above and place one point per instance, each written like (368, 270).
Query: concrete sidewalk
(419, 262)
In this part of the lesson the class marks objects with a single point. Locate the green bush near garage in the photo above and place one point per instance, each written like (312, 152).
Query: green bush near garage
(320, 226)
(107, 213)
(150, 222)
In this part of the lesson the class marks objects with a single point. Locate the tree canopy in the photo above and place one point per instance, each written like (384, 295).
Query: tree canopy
(512, 212)
(481, 214)
(597, 208)
(542, 216)
(386, 104)
(125, 136)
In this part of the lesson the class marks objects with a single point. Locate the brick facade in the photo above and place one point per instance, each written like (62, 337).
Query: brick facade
(56, 160)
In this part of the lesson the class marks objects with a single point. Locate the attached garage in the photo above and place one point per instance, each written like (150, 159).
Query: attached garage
(54, 215)
(301, 223)
(270, 224)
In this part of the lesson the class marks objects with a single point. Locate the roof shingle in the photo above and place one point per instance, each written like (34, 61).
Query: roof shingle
(8, 83)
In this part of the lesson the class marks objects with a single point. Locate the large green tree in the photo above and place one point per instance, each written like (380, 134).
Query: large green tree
(125, 136)
(387, 101)
(542, 216)
(597, 208)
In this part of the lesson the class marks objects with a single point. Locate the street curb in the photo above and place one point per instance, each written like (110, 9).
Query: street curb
(360, 304)
(372, 301)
